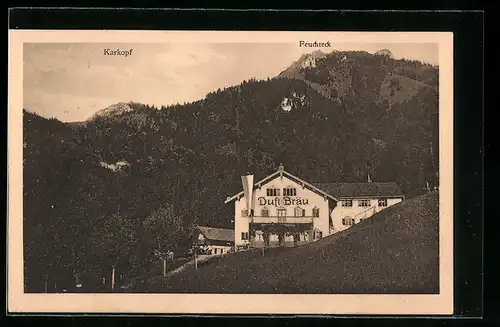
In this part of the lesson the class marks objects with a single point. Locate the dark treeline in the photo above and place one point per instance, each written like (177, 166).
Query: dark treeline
(81, 218)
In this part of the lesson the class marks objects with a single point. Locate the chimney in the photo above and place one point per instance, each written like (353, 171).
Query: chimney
(247, 182)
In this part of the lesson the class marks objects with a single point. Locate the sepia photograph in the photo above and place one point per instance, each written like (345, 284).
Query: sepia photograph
(234, 163)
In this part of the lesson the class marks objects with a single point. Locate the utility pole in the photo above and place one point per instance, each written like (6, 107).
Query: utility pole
(113, 280)
(164, 265)
(261, 234)
(195, 260)
(113, 275)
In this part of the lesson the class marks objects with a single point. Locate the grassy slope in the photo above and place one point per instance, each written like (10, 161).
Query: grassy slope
(397, 251)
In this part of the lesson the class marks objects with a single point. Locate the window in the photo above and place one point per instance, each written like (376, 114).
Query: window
(281, 215)
(244, 236)
(382, 202)
(299, 212)
(347, 221)
(273, 192)
(215, 251)
(244, 213)
(315, 212)
(318, 235)
(264, 212)
(290, 191)
(346, 203)
(364, 203)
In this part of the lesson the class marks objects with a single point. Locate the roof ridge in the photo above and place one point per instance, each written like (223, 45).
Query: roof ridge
(315, 188)
(309, 184)
(350, 189)
(217, 233)
(282, 171)
(215, 228)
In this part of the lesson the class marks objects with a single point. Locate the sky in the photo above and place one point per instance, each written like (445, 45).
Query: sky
(71, 82)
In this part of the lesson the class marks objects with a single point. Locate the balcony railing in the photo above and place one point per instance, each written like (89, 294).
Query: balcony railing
(282, 219)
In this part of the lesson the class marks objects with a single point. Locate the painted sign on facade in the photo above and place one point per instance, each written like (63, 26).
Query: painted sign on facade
(285, 201)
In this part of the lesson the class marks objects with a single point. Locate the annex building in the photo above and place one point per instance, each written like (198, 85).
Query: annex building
(284, 209)
(214, 241)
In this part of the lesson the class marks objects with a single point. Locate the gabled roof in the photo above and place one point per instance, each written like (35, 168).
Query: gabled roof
(292, 177)
(217, 234)
(361, 189)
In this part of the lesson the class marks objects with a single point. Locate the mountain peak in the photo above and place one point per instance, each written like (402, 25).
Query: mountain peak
(318, 53)
(307, 60)
(384, 52)
(113, 110)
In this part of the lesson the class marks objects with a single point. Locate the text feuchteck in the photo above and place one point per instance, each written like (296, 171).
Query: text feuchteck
(118, 52)
(315, 44)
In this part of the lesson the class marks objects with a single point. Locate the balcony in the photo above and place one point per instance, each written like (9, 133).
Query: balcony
(281, 220)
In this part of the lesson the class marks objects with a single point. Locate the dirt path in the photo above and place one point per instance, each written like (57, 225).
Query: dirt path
(201, 259)
(140, 280)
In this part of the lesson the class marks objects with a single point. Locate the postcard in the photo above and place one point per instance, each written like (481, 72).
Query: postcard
(230, 172)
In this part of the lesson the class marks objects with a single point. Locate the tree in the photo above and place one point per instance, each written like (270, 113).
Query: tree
(164, 231)
(114, 241)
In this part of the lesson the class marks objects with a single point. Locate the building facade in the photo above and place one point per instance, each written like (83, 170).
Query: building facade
(286, 210)
(359, 201)
(283, 209)
(214, 241)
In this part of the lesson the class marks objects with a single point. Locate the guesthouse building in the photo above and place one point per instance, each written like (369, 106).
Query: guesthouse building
(283, 209)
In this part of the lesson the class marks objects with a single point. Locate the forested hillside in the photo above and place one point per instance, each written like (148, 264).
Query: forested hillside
(88, 187)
